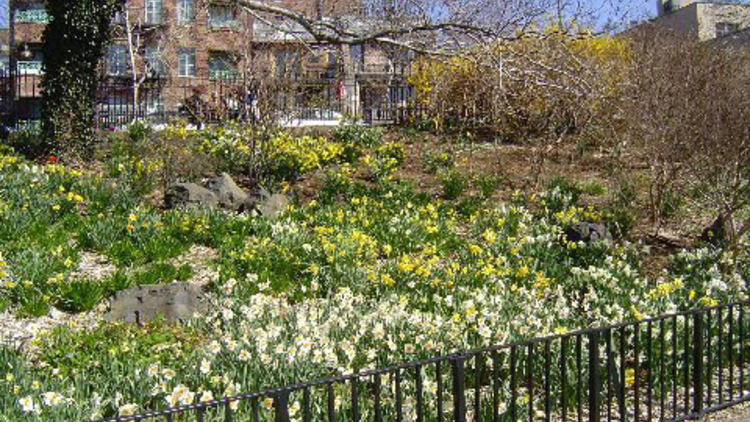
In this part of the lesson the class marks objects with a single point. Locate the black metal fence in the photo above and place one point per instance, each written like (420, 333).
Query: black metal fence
(669, 368)
(210, 100)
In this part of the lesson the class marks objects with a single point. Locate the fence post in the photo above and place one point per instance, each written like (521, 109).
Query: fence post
(459, 397)
(698, 362)
(281, 407)
(594, 377)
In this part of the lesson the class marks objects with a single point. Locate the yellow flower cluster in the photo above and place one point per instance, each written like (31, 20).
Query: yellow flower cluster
(665, 289)
(301, 154)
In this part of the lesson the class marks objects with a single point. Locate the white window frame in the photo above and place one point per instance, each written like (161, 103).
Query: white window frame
(154, 61)
(117, 60)
(186, 63)
(185, 12)
(226, 23)
(154, 11)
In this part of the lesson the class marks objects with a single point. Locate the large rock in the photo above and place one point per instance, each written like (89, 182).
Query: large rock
(175, 302)
(272, 206)
(189, 195)
(588, 233)
(719, 232)
(229, 195)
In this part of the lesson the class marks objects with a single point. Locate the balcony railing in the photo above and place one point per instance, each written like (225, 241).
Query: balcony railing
(32, 16)
(29, 67)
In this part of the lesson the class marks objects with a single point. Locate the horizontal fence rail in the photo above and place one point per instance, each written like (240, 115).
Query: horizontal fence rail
(672, 367)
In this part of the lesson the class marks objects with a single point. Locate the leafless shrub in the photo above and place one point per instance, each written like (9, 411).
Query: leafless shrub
(687, 109)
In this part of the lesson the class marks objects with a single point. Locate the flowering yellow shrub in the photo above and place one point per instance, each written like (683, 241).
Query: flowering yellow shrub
(524, 87)
(288, 157)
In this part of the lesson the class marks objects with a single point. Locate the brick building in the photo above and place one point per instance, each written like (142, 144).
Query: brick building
(704, 20)
(165, 51)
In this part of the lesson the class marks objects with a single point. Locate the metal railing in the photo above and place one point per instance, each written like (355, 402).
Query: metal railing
(221, 95)
(672, 367)
(33, 67)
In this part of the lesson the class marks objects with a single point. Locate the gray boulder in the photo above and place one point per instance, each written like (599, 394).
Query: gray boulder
(187, 195)
(175, 302)
(229, 195)
(588, 233)
(719, 232)
(272, 206)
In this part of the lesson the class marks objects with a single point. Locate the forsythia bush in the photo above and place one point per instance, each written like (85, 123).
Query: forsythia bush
(551, 83)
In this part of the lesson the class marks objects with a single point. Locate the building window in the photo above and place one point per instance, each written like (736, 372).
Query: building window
(117, 60)
(221, 16)
(221, 66)
(185, 11)
(154, 10)
(154, 62)
(725, 28)
(186, 62)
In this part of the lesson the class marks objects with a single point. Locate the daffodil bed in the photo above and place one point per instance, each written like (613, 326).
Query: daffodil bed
(368, 274)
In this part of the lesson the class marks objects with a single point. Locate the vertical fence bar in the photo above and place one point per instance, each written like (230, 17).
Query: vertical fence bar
(530, 380)
(709, 365)
(495, 386)
(730, 351)
(674, 367)
(202, 410)
(306, 410)
(564, 378)
(355, 404)
(621, 391)
(331, 404)
(720, 355)
(547, 399)
(376, 392)
(741, 350)
(281, 407)
(579, 381)
(594, 378)
(649, 364)
(477, 385)
(228, 411)
(697, 362)
(439, 380)
(399, 401)
(610, 372)
(636, 373)
(459, 398)
(256, 409)
(418, 385)
(686, 362)
(662, 372)
(513, 392)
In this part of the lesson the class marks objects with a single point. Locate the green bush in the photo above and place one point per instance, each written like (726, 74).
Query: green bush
(487, 184)
(566, 186)
(594, 188)
(454, 183)
(80, 295)
(27, 141)
(355, 138)
(434, 162)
